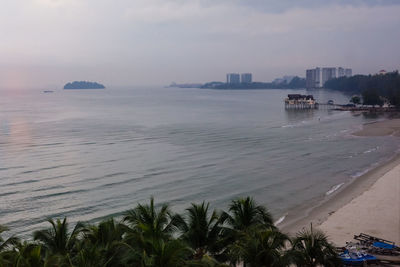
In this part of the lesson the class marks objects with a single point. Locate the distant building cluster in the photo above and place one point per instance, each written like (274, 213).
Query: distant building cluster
(238, 78)
(316, 78)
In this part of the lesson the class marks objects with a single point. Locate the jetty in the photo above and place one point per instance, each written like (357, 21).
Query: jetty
(298, 101)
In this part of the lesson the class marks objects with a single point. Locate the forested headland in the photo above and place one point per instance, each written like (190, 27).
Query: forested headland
(374, 89)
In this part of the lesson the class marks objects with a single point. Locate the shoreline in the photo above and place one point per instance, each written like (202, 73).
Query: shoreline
(324, 214)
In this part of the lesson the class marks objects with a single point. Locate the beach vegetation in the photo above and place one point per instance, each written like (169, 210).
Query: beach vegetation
(151, 235)
(373, 88)
(311, 247)
(355, 99)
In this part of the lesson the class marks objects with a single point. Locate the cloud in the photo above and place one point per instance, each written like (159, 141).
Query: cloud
(132, 41)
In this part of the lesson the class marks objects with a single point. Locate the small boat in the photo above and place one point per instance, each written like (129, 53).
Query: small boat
(357, 259)
(48, 91)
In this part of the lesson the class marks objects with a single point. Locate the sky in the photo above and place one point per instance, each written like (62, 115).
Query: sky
(46, 43)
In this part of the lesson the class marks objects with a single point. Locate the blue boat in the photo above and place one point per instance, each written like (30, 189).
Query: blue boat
(356, 259)
(384, 245)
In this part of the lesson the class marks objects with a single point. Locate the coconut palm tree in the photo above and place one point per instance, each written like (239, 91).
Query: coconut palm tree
(151, 222)
(244, 213)
(203, 230)
(4, 244)
(261, 247)
(6, 247)
(312, 248)
(56, 240)
(206, 261)
(243, 217)
(103, 243)
(28, 255)
(170, 253)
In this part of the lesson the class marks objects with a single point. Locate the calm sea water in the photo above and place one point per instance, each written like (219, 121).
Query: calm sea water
(89, 154)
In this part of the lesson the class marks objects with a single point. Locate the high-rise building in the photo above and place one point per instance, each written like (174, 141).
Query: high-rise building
(313, 78)
(327, 74)
(348, 72)
(232, 78)
(246, 78)
(341, 72)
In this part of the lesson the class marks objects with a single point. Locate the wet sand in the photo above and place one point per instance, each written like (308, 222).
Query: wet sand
(369, 204)
(381, 128)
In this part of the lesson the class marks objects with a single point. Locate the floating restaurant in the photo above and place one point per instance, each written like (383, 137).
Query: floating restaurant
(297, 101)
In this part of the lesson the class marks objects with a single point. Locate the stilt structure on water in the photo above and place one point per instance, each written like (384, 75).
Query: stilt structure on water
(297, 101)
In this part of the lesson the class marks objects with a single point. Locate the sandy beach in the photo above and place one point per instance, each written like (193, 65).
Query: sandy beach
(370, 204)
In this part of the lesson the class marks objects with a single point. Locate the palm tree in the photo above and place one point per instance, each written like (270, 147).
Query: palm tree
(151, 222)
(7, 253)
(244, 216)
(4, 244)
(102, 243)
(261, 247)
(170, 253)
(312, 248)
(202, 230)
(57, 240)
(206, 261)
(28, 255)
(245, 213)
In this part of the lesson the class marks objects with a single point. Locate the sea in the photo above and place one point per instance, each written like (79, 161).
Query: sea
(91, 154)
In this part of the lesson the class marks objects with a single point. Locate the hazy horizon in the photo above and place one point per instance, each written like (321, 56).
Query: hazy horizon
(47, 43)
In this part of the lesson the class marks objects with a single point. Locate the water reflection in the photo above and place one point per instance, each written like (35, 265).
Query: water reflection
(295, 115)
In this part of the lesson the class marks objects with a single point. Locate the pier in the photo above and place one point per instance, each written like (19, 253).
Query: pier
(297, 101)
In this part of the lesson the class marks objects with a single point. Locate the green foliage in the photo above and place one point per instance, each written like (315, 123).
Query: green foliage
(355, 99)
(202, 230)
(372, 97)
(312, 248)
(57, 239)
(153, 236)
(83, 85)
(374, 87)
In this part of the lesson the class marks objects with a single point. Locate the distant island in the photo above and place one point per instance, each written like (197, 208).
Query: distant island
(84, 85)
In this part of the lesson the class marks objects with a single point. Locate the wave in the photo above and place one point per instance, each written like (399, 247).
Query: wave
(334, 188)
(280, 220)
(371, 150)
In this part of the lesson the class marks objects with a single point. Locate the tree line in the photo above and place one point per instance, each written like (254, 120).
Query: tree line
(374, 89)
(154, 236)
(295, 83)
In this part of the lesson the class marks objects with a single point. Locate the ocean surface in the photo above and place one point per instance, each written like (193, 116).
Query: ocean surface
(88, 154)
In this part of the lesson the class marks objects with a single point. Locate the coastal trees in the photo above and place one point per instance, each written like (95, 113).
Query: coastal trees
(102, 242)
(355, 99)
(4, 244)
(153, 223)
(372, 87)
(245, 221)
(372, 97)
(154, 236)
(57, 241)
(245, 213)
(202, 230)
(312, 248)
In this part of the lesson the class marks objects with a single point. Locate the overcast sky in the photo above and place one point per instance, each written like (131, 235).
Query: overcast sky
(46, 43)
